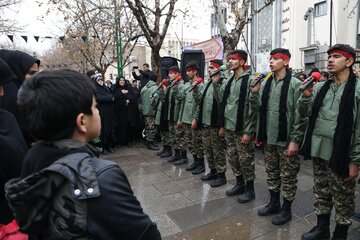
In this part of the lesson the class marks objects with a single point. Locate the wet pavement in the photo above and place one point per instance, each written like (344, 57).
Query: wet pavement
(186, 208)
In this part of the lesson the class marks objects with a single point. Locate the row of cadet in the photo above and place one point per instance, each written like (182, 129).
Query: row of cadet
(220, 118)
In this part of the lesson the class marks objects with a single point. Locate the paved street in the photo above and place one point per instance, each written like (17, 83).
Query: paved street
(186, 208)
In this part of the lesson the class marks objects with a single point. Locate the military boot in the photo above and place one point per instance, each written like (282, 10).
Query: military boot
(219, 180)
(151, 146)
(176, 156)
(273, 206)
(249, 194)
(210, 176)
(321, 230)
(285, 214)
(183, 160)
(239, 187)
(200, 168)
(167, 153)
(341, 232)
(162, 151)
(193, 165)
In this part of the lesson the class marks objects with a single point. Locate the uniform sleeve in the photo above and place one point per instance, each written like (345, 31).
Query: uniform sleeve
(355, 151)
(297, 125)
(117, 214)
(218, 90)
(252, 113)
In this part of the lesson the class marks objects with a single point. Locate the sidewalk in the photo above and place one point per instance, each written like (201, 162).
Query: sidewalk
(186, 208)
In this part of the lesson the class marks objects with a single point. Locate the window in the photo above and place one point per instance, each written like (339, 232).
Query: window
(320, 9)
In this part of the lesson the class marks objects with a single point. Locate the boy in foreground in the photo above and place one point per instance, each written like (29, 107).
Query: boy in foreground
(66, 192)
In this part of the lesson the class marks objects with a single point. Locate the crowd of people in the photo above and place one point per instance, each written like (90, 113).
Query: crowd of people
(55, 186)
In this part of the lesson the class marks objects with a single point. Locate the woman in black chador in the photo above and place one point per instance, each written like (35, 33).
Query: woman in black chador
(125, 101)
(105, 104)
(12, 144)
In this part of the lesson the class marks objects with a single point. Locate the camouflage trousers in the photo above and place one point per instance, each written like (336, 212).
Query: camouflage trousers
(214, 148)
(240, 156)
(281, 169)
(165, 138)
(331, 190)
(178, 136)
(192, 140)
(150, 128)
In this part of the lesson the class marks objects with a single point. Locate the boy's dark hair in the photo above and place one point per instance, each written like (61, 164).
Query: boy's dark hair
(281, 50)
(51, 100)
(174, 68)
(345, 48)
(240, 53)
(325, 74)
(146, 65)
(192, 65)
(217, 61)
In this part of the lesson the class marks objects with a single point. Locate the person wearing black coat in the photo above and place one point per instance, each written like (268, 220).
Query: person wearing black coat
(13, 147)
(105, 104)
(143, 75)
(23, 66)
(125, 100)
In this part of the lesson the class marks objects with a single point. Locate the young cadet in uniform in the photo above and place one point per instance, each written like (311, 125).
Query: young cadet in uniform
(278, 124)
(332, 140)
(149, 112)
(192, 139)
(172, 96)
(206, 118)
(237, 122)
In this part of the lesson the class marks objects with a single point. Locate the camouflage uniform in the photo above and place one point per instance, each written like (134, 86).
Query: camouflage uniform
(150, 128)
(281, 168)
(214, 148)
(327, 187)
(192, 140)
(240, 156)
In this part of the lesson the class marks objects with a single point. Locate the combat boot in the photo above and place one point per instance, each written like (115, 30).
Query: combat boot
(210, 176)
(239, 187)
(162, 151)
(167, 153)
(341, 232)
(249, 194)
(200, 168)
(219, 180)
(193, 165)
(183, 159)
(151, 146)
(273, 206)
(285, 214)
(176, 156)
(321, 231)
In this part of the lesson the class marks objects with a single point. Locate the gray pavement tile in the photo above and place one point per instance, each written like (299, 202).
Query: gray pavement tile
(232, 228)
(146, 193)
(205, 193)
(147, 179)
(178, 186)
(206, 212)
(163, 204)
(165, 225)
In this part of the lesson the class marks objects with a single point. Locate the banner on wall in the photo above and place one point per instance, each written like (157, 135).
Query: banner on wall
(213, 48)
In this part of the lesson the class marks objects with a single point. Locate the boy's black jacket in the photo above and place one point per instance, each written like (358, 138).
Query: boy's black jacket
(76, 197)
